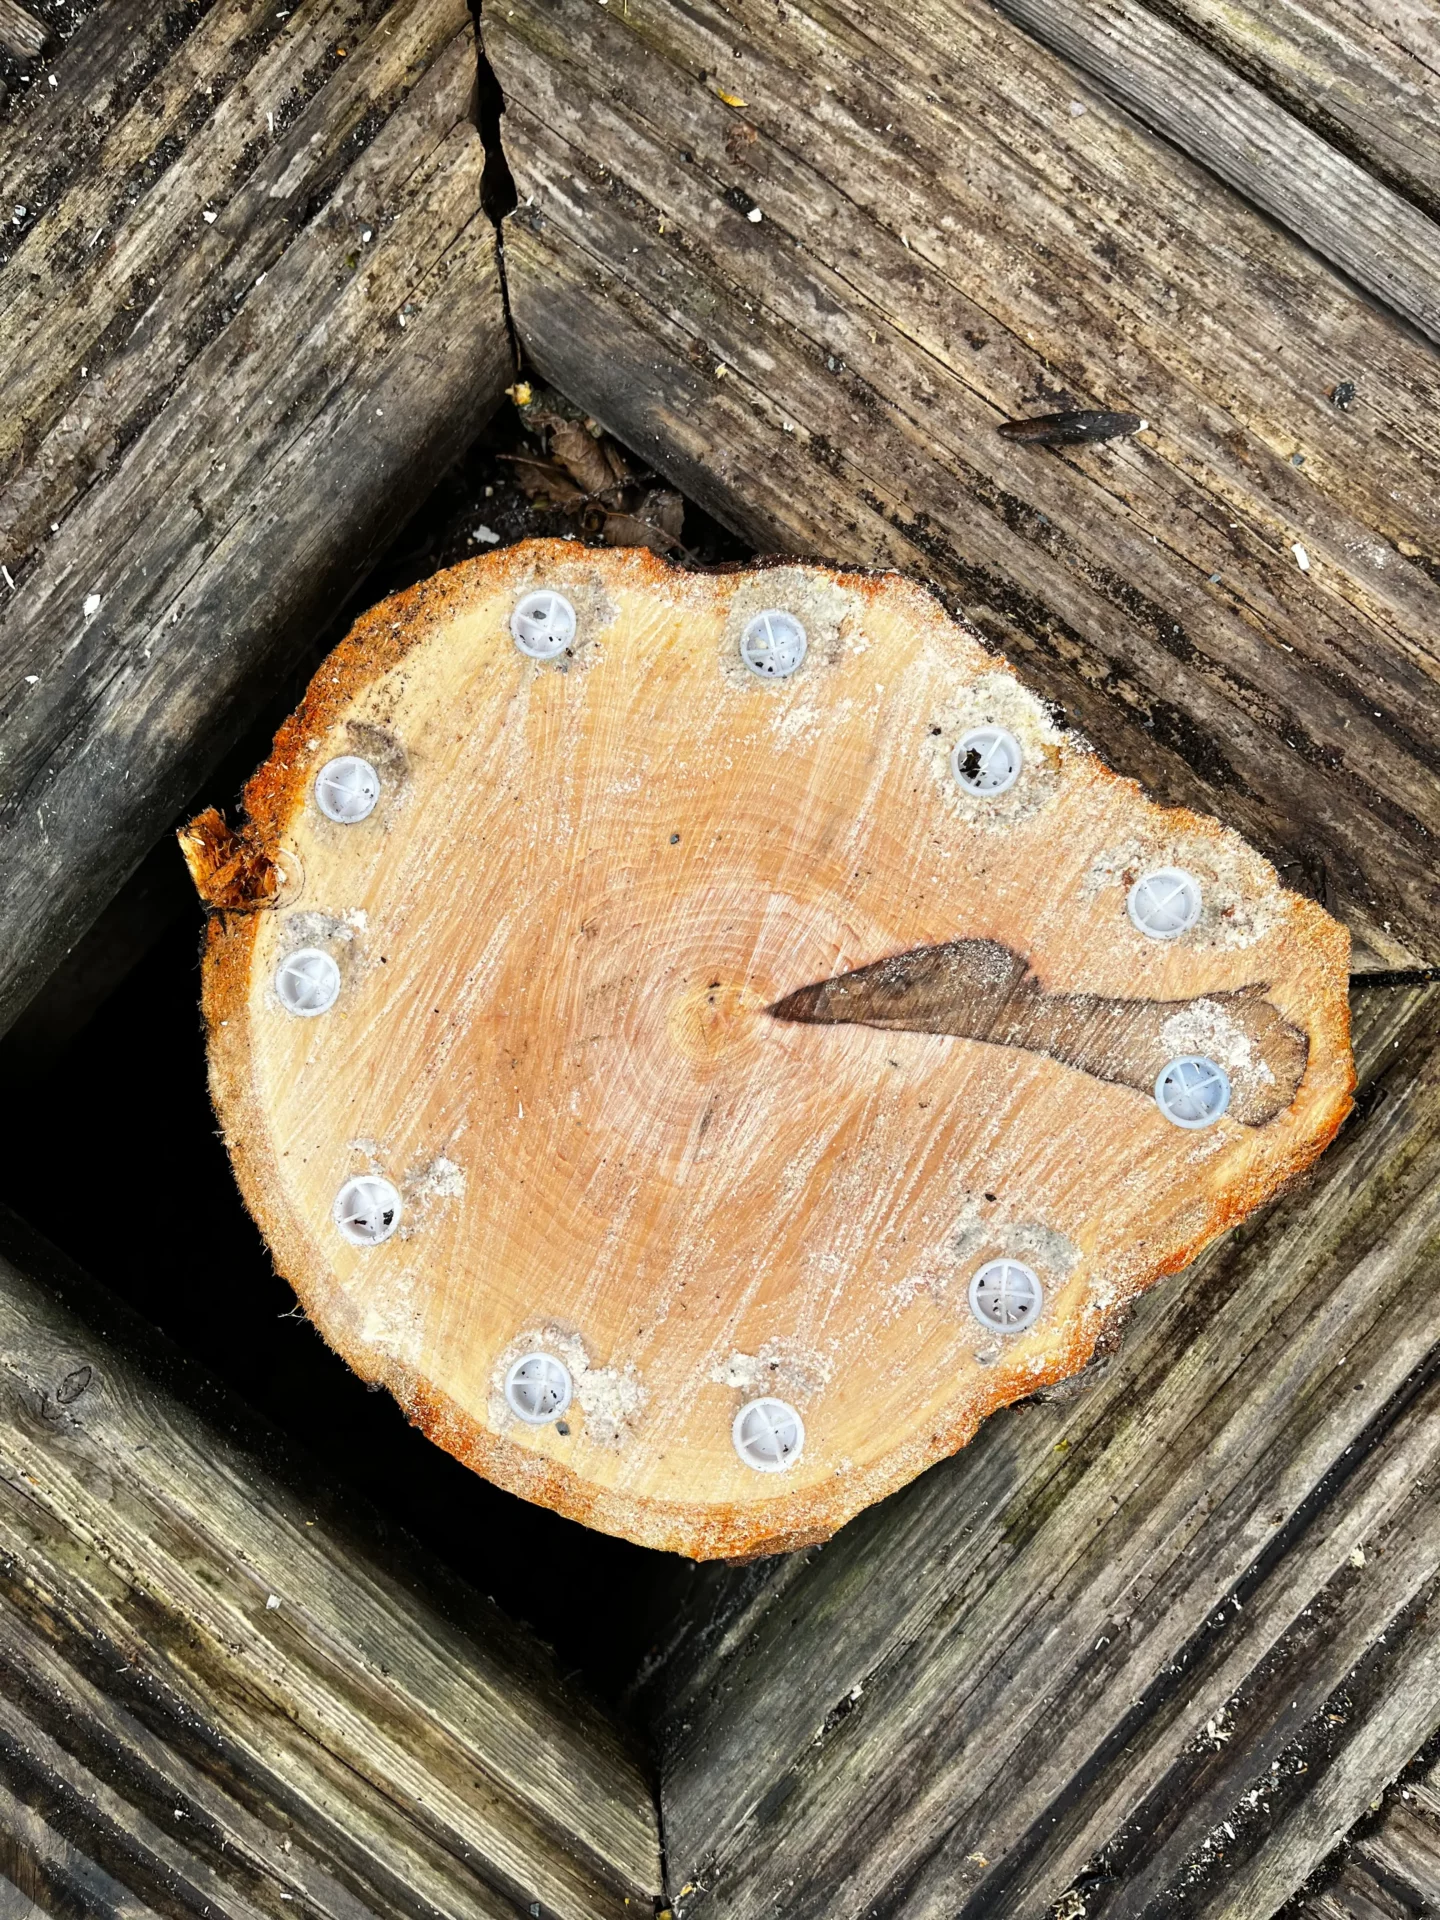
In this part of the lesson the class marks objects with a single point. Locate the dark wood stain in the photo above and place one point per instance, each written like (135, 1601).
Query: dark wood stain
(981, 990)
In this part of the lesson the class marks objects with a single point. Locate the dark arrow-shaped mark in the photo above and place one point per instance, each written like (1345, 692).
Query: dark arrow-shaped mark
(980, 990)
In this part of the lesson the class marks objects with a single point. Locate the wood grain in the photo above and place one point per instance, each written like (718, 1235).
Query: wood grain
(1390, 1867)
(560, 940)
(252, 310)
(1152, 1649)
(218, 1693)
(21, 32)
(1366, 78)
(944, 245)
(1194, 97)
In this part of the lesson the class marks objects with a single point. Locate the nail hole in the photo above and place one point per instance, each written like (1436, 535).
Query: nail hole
(1192, 1091)
(1164, 904)
(987, 760)
(543, 623)
(773, 644)
(367, 1210)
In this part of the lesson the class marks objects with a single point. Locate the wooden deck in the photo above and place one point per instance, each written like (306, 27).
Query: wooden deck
(1166, 1646)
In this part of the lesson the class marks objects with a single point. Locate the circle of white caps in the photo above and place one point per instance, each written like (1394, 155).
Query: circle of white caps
(1164, 904)
(346, 789)
(1006, 1296)
(538, 1388)
(1192, 1091)
(543, 623)
(987, 761)
(367, 1210)
(307, 982)
(769, 1435)
(773, 644)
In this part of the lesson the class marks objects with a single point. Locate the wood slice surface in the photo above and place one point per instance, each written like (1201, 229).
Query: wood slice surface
(709, 1036)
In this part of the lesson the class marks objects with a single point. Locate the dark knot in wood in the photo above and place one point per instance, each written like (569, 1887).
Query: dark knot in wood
(981, 990)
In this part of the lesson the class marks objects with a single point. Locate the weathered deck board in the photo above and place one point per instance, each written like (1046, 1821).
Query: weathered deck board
(1366, 78)
(20, 31)
(944, 244)
(251, 311)
(1195, 98)
(1111, 1626)
(215, 1697)
(1391, 1868)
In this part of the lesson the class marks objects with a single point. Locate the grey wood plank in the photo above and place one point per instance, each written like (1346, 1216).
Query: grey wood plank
(217, 1691)
(252, 311)
(1404, 1852)
(1366, 78)
(1119, 1651)
(42, 1874)
(954, 231)
(21, 31)
(1195, 98)
(1389, 1867)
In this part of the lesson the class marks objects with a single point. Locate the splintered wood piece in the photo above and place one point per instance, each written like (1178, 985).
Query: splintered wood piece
(705, 1042)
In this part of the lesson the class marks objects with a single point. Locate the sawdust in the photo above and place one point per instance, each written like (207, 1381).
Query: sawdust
(427, 1186)
(827, 611)
(1240, 895)
(610, 1399)
(1204, 1027)
(781, 1366)
(1051, 1253)
(997, 699)
(394, 1318)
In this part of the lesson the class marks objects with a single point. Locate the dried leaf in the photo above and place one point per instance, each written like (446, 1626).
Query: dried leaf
(619, 466)
(542, 477)
(665, 510)
(629, 530)
(582, 456)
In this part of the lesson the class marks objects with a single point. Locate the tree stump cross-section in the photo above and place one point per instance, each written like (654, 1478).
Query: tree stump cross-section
(704, 1042)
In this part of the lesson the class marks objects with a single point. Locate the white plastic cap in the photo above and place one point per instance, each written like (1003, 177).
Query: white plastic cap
(987, 760)
(1192, 1091)
(1164, 904)
(543, 623)
(773, 644)
(538, 1389)
(347, 789)
(769, 1435)
(1006, 1296)
(307, 982)
(367, 1210)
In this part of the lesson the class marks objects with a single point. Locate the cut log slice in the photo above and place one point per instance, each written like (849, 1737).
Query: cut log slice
(706, 1041)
